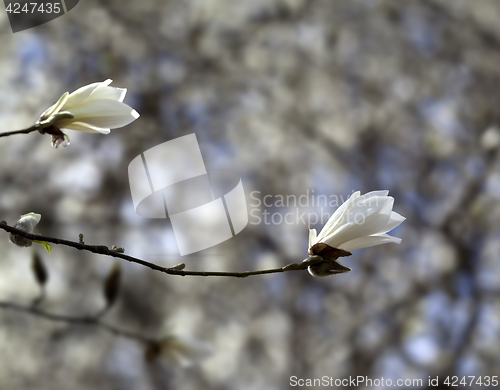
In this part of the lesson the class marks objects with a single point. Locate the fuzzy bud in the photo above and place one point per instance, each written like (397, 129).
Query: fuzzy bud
(27, 224)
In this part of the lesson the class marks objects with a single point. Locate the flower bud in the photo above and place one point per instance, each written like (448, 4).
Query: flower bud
(94, 108)
(27, 224)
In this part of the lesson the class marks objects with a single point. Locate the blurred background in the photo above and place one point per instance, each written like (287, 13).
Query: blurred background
(295, 96)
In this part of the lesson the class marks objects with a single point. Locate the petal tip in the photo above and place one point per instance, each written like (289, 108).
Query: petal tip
(135, 114)
(123, 93)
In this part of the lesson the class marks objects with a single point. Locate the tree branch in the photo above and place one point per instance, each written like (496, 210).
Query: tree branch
(24, 131)
(90, 320)
(45, 126)
(104, 250)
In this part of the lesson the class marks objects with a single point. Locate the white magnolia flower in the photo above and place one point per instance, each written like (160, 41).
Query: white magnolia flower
(360, 222)
(94, 108)
(27, 224)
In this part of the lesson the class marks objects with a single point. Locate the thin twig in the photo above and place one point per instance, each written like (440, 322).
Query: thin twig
(91, 321)
(104, 250)
(24, 131)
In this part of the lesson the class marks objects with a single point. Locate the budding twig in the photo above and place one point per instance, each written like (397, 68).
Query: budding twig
(41, 125)
(24, 131)
(104, 250)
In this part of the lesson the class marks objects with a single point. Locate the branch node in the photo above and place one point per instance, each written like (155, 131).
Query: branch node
(101, 249)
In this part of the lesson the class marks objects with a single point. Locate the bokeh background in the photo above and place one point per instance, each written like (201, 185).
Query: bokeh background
(333, 96)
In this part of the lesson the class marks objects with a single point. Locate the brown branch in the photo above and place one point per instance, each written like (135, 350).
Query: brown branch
(24, 131)
(104, 250)
(43, 127)
(89, 321)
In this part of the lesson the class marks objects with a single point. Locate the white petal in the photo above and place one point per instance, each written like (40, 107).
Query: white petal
(368, 195)
(56, 107)
(365, 242)
(337, 215)
(395, 220)
(110, 93)
(312, 237)
(28, 222)
(365, 207)
(105, 113)
(77, 97)
(80, 126)
(44, 115)
(360, 224)
(38, 217)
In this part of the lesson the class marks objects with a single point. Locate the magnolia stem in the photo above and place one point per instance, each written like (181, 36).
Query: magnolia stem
(24, 131)
(92, 321)
(104, 250)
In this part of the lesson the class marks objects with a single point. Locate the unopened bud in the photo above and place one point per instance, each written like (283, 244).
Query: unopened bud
(27, 224)
(118, 249)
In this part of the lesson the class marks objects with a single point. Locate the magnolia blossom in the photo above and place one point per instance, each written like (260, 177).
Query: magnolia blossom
(360, 222)
(27, 224)
(94, 108)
